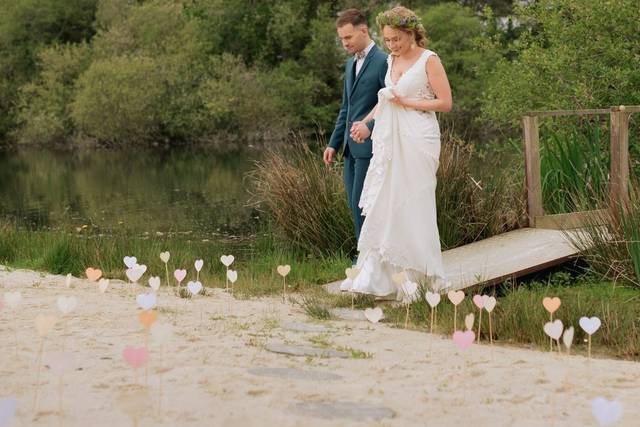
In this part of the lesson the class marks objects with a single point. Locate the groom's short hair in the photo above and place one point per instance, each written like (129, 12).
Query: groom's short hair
(351, 16)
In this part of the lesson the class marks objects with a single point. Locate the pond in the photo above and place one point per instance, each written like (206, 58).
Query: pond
(138, 192)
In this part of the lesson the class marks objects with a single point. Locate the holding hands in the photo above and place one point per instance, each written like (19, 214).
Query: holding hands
(359, 131)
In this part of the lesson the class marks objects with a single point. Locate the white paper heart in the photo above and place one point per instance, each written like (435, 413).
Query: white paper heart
(227, 260)
(283, 270)
(67, 280)
(194, 287)
(67, 304)
(103, 284)
(433, 298)
(373, 315)
(164, 256)
(154, 283)
(346, 285)
(554, 329)
(135, 273)
(455, 297)
(130, 261)
(146, 301)
(198, 264)
(468, 321)
(8, 408)
(590, 325)
(180, 275)
(162, 332)
(351, 272)
(567, 337)
(13, 299)
(489, 303)
(607, 412)
(232, 275)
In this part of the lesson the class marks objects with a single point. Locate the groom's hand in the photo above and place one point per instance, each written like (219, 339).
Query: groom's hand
(328, 156)
(360, 132)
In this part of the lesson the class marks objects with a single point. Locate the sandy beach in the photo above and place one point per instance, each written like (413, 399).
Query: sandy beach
(220, 368)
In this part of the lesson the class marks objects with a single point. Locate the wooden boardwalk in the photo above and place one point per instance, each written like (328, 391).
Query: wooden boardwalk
(498, 258)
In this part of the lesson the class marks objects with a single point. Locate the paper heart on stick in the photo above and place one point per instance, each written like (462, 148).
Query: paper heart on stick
(164, 256)
(103, 284)
(13, 299)
(198, 264)
(154, 283)
(67, 304)
(67, 280)
(489, 303)
(351, 272)
(232, 275)
(194, 287)
(554, 329)
(590, 325)
(433, 298)
(284, 270)
(8, 408)
(135, 273)
(468, 320)
(130, 261)
(455, 297)
(464, 339)
(373, 315)
(478, 301)
(135, 356)
(607, 412)
(93, 274)
(147, 318)
(180, 275)
(44, 325)
(551, 304)
(567, 337)
(227, 260)
(146, 301)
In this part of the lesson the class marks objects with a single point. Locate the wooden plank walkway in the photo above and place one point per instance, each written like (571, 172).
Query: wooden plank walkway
(498, 258)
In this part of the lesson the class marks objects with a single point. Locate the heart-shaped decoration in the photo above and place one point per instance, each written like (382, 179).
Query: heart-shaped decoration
(227, 260)
(93, 274)
(103, 284)
(567, 337)
(283, 270)
(433, 299)
(147, 318)
(130, 261)
(399, 278)
(67, 280)
(346, 285)
(44, 324)
(180, 275)
(164, 256)
(154, 283)
(455, 297)
(67, 304)
(135, 273)
(232, 275)
(373, 315)
(607, 412)
(162, 333)
(146, 301)
(551, 304)
(8, 408)
(58, 362)
(553, 329)
(135, 357)
(13, 299)
(489, 303)
(198, 264)
(409, 292)
(590, 325)
(468, 320)
(351, 272)
(478, 301)
(194, 287)
(464, 339)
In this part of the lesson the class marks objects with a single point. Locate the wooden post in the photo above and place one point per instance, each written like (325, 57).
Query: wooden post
(532, 168)
(619, 181)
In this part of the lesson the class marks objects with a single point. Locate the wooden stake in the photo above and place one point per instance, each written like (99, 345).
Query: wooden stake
(406, 317)
(284, 288)
(490, 331)
(479, 323)
(455, 318)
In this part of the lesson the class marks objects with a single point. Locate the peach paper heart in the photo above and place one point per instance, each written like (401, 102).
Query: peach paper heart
(551, 304)
(283, 270)
(93, 274)
(455, 297)
(148, 318)
(164, 256)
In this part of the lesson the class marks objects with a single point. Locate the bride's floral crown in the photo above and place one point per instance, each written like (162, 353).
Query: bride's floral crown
(411, 23)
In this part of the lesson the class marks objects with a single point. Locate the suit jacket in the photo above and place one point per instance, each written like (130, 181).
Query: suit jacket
(359, 96)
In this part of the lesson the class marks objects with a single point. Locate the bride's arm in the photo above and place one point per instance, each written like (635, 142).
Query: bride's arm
(440, 85)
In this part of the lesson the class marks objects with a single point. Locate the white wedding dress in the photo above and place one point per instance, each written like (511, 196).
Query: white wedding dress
(400, 232)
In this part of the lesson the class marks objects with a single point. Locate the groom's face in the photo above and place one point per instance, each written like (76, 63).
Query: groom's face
(354, 39)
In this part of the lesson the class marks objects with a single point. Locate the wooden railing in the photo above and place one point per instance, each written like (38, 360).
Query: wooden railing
(618, 177)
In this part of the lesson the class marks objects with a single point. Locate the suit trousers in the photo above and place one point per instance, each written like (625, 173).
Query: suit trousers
(355, 170)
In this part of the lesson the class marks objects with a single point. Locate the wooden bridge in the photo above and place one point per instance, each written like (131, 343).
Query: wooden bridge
(546, 240)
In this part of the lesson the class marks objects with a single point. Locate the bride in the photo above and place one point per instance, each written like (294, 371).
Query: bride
(400, 232)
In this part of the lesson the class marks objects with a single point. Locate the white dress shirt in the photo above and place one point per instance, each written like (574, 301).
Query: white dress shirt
(359, 62)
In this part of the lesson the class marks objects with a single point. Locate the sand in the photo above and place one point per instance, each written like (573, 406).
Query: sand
(216, 370)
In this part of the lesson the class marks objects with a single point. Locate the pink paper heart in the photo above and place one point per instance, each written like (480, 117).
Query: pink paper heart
(180, 275)
(135, 357)
(478, 301)
(463, 339)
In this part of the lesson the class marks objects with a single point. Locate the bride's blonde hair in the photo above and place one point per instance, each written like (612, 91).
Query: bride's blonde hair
(406, 20)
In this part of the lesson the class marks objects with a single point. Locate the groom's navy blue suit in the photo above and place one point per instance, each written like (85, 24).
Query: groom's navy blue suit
(359, 96)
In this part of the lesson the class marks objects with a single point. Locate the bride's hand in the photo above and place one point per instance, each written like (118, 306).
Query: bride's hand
(360, 132)
(397, 99)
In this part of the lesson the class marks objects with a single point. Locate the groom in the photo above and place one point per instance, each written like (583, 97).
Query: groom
(364, 76)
